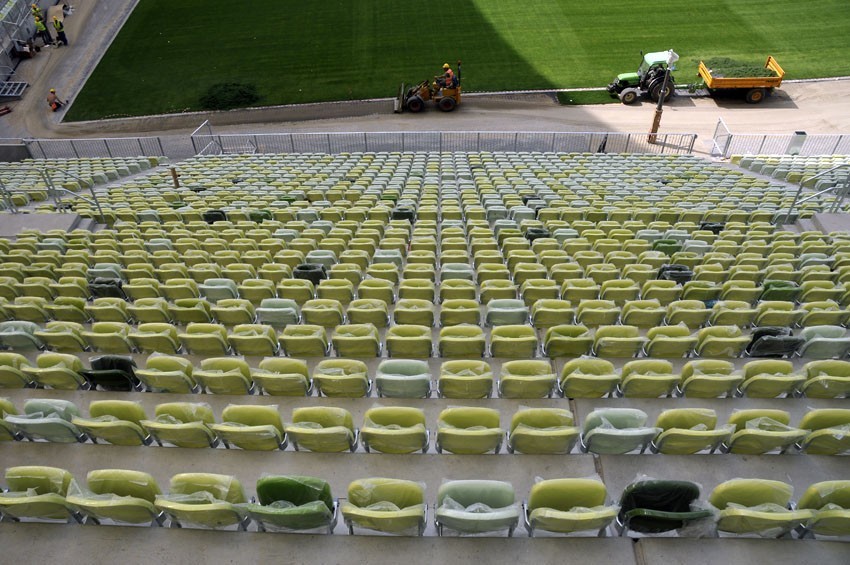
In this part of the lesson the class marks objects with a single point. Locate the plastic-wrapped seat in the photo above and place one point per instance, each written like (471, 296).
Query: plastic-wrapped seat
(542, 431)
(662, 290)
(780, 290)
(465, 379)
(112, 372)
(526, 379)
(109, 337)
(770, 379)
(205, 339)
(830, 502)
(408, 340)
(513, 341)
(322, 429)
(824, 312)
(756, 506)
(616, 431)
(647, 378)
(62, 336)
(108, 310)
(642, 313)
(251, 427)
(685, 431)
(20, 335)
(282, 377)
(68, 309)
(297, 290)
(476, 506)
(692, 313)
(458, 311)
(774, 342)
(454, 289)
(184, 424)
(190, 310)
(387, 505)
(670, 341)
(48, 419)
(204, 499)
(658, 506)
(709, 378)
(403, 378)
(304, 340)
(342, 378)
(147, 310)
(546, 313)
(588, 378)
(568, 505)
(567, 341)
(618, 341)
(356, 340)
(828, 431)
(732, 312)
(469, 430)
(824, 379)
(497, 289)
(418, 289)
(293, 503)
(218, 289)
(462, 341)
(369, 311)
(253, 339)
(506, 311)
(117, 495)
(278, 312)
(57, 370)
(394, 429)
(594, 313)
(164, 373)
(760, 431)
(12, 370)
(577, 290)
(777, 313)
(224, 375)
(37, 492)
(721, 341)
(232, 311)
(159, 337)
(117, 422)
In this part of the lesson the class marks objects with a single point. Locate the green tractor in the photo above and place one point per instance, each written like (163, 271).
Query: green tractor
(649, 79)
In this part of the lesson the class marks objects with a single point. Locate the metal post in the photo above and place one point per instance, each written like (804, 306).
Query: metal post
(106, 145)
(656, 121)
(74, 147)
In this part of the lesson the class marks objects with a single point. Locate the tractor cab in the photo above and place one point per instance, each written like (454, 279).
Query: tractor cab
(647, 80)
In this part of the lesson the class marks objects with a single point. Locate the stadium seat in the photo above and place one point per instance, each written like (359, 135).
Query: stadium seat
(205, 339)
(721, 341)
(618, 341)
(476, 506)
(278, 312)
(824, 379)
(47, 419)
(828, 435)
(756, 506)
(588, 378)
(647, 378)
(304, 340)
(356, 340)
(224, 375)
(158, 337)
(12, 370)
(760, 431)
(204, 499)
(117, 495)
(542, 431)
(65, 337)
(828, 501)
(394, 429)
(513, 341)
(250, 427)
(616, 431)
(184, 424)
(282, 377)
(399, 506)
(20, 335)
(468, 430)
(685, 431)
(709, 378)
(408, 341)
(461, 341)
(165, 373)
(670, 341)
(57, 370)
(342, 378)
(403, 378)
(658, 506)
(770, 379)
(323, 429)
(526, 379)
(117, 422)
(37, 492)
(293, 503)
(567, 506)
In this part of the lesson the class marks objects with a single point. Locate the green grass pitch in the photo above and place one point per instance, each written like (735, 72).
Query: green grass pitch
(171, 51)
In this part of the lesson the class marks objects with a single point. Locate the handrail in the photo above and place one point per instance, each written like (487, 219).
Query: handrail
(53, 190)
(7, 197)
(836, 204)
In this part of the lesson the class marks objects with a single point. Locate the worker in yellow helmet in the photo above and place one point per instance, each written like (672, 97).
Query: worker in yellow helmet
(447, 79)
(36, 11)
(54, 101)
(41, 31)
(60, 31)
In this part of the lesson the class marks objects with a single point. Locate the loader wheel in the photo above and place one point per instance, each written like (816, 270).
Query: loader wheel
(755, 95)
(447, 104)
(629, 96)
(415, 104)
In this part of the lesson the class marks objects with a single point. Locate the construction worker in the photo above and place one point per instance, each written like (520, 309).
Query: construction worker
(54, 101)
(41, 31)
(36, 12)
(447, 80)
(60, 31)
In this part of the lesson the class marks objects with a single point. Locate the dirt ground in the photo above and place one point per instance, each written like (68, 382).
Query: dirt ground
(812, 106)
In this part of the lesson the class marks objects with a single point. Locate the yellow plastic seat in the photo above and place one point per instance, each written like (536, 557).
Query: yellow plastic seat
(190, 310)
(282, 377)
(469, 430)
(184, 424)
(164, 373)
(386, 505)
(204, 499)
(368, 311)
(513, 341)
(323, 429)
(253, 339)
(56, 370)
(233, 311)
(721, 341)
(155, 337)
(117, 422)
(323, 312)
(458, 311)
(304, 340)
(542, 431)
(417, 289)
(769, 378)
(251, 427)
(526, 379)
(777, 313)
(205, 339)
(62, 336)
(647, 378)
(68, 309)
(567, 506)
(342, 378)
(692, 313)
(732, 313)
(461, 341)
(685, 431)
(670, 341)
(394, 429)
(593, 313)
(828, 435)
(356, 340)
(662, 290)
(414, 311)
(759, 431)
(465, 379)
(299, 290)
(830, 502)
(756, 506)
(546, 313)
(12, 370)
(37, 492)
(109, 337)
(409, 341)
(618, 341)
(224, 375)
(709, 378)
(824, 379)
(117, 495)
(642, 313)
(457, 289)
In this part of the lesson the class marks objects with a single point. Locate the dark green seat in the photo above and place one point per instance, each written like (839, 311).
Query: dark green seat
(657, 506)
(291, 502)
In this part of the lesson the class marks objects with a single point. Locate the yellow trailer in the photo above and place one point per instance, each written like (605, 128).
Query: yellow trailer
(756, 87)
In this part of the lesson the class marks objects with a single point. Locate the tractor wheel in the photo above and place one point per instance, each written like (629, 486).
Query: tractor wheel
(415, 105)
(629, 96)
(755, 95)
(447, 104)
(656, 88)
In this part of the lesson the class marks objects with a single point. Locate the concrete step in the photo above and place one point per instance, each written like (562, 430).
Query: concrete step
(827, 223)
(806, 225)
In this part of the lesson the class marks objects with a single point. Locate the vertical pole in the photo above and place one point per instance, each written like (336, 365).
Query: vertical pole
(656, 121)
(74, 148)
(106, 145)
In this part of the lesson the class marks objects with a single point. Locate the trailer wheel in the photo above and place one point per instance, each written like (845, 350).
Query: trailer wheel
(755, 95)
(629, 96)
(447, 104)
(415, 104)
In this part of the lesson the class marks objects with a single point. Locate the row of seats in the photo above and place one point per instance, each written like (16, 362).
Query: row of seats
(812, 171)
(292, 503)
(409, 378)
(460, 430)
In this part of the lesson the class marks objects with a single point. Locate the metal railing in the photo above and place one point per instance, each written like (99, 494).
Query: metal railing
(94, 147)
(6, 194)
(205, 142)
(725, 143)
(46, 174)
(840, 190)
